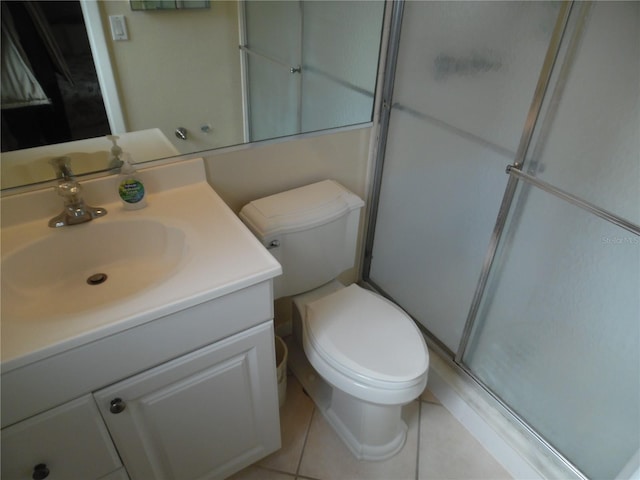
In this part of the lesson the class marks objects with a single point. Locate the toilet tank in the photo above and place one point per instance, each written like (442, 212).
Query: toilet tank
(312, 231)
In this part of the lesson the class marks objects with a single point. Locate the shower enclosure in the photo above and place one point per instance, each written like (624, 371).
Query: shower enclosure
(307, 65)
(507, 209)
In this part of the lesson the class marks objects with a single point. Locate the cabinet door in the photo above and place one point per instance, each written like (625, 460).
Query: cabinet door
(204, 415)
(70, 441)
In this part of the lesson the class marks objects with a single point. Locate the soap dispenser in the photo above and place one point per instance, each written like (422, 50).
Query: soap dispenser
(115, 156)
(130, 187)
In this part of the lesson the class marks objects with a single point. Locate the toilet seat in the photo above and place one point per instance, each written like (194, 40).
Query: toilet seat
(366, 346)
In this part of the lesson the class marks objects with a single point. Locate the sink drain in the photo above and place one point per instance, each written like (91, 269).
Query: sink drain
(97, 278)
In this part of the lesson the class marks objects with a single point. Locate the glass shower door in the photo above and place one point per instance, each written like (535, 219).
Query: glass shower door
(465, 76)
(272, 32)
(340, 44)
(308, 65)
(557, 335)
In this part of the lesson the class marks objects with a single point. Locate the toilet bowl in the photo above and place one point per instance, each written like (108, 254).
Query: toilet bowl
(358, 355)
(372, 358)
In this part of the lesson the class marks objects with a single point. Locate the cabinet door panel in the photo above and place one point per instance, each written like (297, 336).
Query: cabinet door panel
(204, 415)
(71, 441)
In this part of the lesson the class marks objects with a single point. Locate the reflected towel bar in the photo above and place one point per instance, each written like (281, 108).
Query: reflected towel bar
(578, 202)
(266, 57)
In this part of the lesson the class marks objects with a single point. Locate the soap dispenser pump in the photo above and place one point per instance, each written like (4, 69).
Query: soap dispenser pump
(130, 187)
(115, 160)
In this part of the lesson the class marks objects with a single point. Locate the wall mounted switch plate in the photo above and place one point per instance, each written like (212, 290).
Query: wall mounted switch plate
(118, 27)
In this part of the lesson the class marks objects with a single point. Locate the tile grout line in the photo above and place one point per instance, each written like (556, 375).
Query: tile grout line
(306, 437)
(417, 476)
(274, 470)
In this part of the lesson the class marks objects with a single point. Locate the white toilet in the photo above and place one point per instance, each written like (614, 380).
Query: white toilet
(358, 356)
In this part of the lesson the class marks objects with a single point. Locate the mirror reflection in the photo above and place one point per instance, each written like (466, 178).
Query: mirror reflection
(178, 81)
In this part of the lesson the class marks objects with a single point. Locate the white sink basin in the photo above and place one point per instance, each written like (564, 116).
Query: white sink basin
(83, 267)
(185, 248)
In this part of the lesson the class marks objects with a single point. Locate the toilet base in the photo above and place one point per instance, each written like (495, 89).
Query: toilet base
(370, 431)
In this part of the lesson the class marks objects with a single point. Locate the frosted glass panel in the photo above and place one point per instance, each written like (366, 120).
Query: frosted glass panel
(336, 45)
(273, 29)
(342, 39)
(273, 94)
(591, 138)
(438, 203)
(558, 335)
(340, 43)
(327, 103)
(474, 65)
(465, 79)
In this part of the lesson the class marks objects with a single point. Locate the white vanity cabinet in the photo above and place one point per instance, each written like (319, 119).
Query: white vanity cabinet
(204, 415)
(195, 396)
(66, 442)
(164, 371)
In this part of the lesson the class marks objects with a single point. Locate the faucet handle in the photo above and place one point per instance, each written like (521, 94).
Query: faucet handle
(69, 190)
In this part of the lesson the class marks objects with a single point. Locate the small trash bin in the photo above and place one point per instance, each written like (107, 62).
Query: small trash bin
(281, 368)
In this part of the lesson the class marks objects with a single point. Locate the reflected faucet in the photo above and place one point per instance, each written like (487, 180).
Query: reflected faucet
(75, 210)
(62, 167)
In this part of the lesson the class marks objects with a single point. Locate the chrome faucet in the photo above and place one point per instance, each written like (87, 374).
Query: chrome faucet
(75, 210)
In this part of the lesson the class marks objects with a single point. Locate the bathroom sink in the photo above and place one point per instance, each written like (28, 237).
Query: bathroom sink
(67, 287)
(86, 266)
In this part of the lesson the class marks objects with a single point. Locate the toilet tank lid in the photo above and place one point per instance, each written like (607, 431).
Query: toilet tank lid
(299, 209)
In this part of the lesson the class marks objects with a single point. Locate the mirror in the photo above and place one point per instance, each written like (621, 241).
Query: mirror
(183, 81)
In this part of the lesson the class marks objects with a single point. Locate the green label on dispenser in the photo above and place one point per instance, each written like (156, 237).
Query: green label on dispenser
(131, 190)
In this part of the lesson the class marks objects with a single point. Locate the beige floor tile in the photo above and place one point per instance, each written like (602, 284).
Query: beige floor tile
(326, 457)
(429, 397)
(449, 452)
(257, 473)
(295, 416)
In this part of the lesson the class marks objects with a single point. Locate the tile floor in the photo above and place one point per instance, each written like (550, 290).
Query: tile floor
(437, 447)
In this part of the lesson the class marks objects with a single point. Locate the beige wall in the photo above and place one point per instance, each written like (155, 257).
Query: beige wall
(179, 69)
(256, 170)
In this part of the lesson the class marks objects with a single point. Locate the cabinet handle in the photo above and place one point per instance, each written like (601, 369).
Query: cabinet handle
(117, 405)
(40, 471)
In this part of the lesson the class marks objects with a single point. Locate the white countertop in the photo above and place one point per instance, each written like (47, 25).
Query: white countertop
(221, 257)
